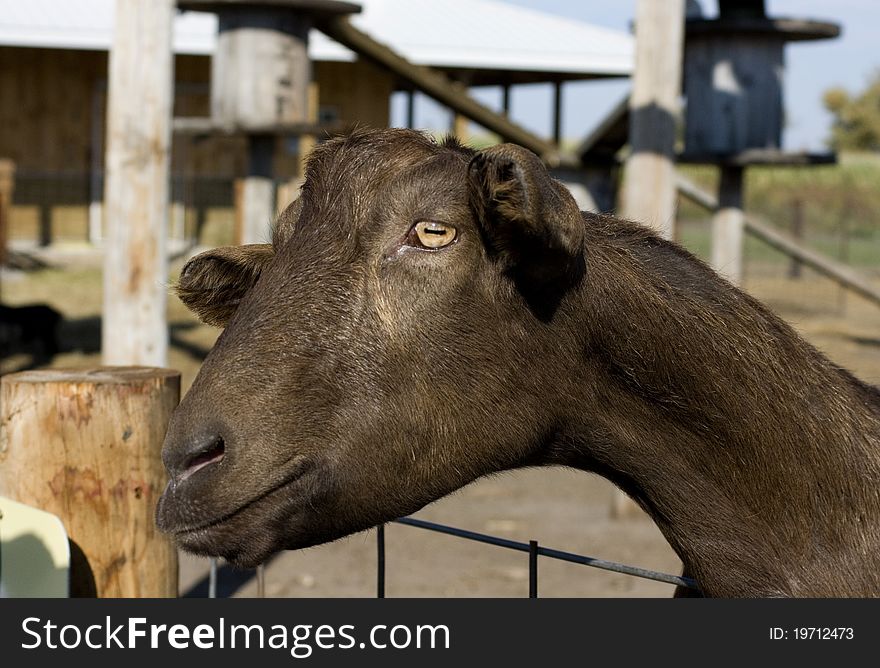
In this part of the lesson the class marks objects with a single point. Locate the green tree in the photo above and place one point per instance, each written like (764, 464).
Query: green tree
(856, 124)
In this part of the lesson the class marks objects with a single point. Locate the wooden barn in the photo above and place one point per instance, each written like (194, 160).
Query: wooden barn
(53, 79)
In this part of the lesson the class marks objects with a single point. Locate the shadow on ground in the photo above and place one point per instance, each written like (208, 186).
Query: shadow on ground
(32, 335)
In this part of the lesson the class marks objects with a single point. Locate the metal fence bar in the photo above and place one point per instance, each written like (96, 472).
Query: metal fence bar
(212, 579)
(553, 554)
(533, 569)
(380, 561)
(620, 568)
(261, 581)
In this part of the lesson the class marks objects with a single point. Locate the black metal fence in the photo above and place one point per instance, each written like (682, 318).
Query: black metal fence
(211, 584)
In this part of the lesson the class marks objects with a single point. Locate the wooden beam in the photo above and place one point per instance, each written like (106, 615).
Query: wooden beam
(649, 186)
(136, 195)
(762, 230)
(197, 125)
(441, 88)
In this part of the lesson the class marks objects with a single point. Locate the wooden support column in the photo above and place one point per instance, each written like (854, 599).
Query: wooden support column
(258, 192)
(460, 126)
(141, 75)
(288, 191)
(650, 184)
(728, 225)
(649, 193)
(460, 122)
(44, 232)
(85, 445)
(178, 220)
(505, 99)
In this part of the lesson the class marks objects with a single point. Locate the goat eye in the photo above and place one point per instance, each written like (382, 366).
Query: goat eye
(433, 235)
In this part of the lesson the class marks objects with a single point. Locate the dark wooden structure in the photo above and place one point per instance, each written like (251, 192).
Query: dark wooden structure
(260, 78)
(733, 77)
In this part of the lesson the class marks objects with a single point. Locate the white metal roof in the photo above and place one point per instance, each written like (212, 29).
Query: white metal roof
(475, 34)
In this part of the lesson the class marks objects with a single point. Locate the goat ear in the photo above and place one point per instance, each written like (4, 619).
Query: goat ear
(530, 224)
(214, 282)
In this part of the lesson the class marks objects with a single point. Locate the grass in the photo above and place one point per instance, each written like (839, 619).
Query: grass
(861, 252)
(845, 195)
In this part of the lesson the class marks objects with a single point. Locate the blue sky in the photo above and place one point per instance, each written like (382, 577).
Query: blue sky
(812, 68)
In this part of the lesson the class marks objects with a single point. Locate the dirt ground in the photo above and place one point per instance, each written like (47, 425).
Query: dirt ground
(564, 509)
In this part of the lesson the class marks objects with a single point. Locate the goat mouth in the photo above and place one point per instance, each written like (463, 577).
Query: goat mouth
(190, 530)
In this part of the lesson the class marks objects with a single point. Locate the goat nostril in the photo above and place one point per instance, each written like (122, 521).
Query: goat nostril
(211, 455)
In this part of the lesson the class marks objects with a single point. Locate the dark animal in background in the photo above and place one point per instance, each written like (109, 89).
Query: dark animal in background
(427, 315)
(30, 329)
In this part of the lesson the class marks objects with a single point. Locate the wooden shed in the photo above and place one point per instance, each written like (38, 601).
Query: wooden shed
(53, 73)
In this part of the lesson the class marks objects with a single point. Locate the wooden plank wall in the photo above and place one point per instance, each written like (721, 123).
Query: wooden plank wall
(46, 117)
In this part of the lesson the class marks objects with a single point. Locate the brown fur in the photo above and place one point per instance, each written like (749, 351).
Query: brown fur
(359, 378)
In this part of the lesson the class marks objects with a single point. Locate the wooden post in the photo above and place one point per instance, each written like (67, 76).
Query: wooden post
(460, 122)
(7, 186)
(649, 194)
(258, 192)
(178, 220)
(728, 225)
(44, 226)
(85, 445)
(288, 191)
(134, 329)
(460, 126)
(649, 187)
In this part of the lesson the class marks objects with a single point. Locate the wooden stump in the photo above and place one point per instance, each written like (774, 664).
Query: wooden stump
(85, 445)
